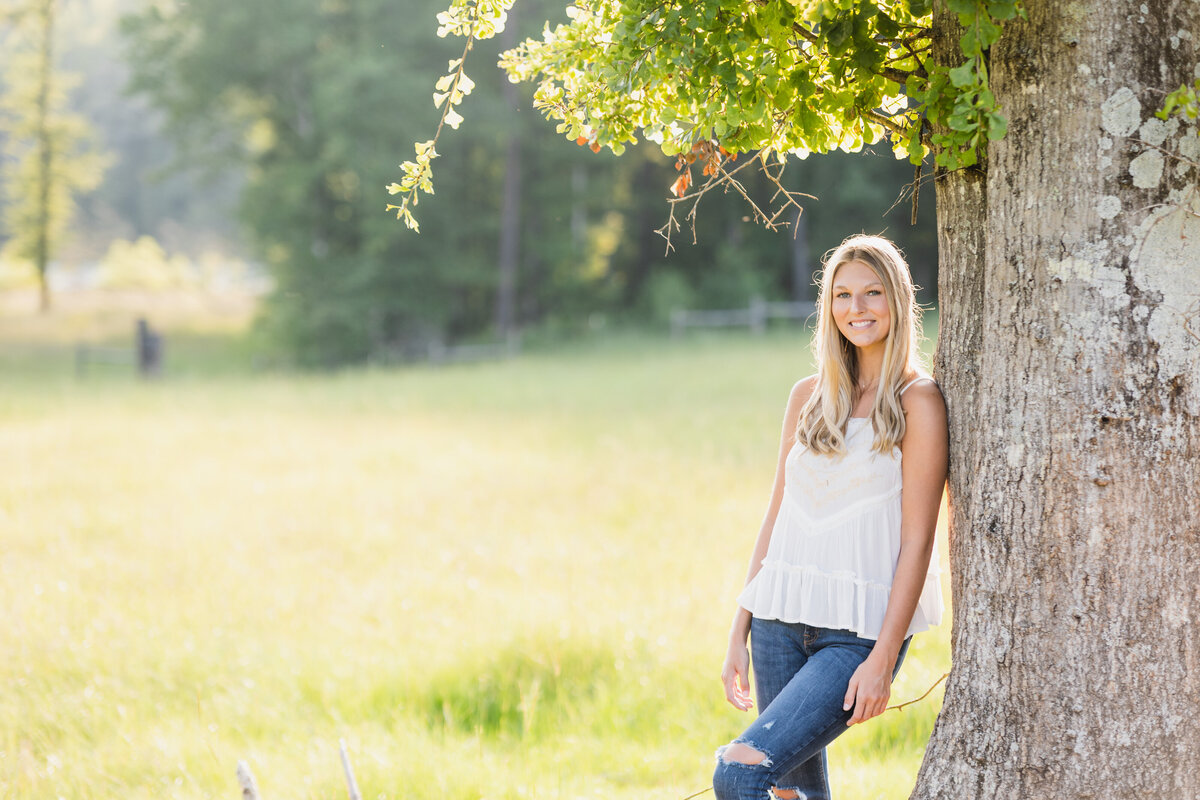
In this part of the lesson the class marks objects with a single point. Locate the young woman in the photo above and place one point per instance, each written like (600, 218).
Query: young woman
(839, 579)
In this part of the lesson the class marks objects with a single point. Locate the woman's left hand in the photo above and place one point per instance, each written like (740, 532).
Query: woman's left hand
(869, 689)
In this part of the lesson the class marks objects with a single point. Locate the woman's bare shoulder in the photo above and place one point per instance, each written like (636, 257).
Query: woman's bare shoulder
(922, 399)
(799, 395)
(802, 390)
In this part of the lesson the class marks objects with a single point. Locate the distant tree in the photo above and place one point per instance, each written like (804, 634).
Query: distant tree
(49, 156)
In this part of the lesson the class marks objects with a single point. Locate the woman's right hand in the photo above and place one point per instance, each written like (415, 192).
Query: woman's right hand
(735, 674)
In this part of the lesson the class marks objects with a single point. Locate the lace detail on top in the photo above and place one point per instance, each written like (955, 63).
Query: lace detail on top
(836, 541)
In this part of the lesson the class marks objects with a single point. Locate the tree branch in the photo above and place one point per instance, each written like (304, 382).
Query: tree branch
(725, 178)
(922, 697)
(885, 121)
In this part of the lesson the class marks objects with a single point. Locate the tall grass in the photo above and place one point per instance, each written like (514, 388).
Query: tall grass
(502, 580)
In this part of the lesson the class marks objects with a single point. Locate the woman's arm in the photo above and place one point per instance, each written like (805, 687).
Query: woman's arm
(925, 458)
(735, 674)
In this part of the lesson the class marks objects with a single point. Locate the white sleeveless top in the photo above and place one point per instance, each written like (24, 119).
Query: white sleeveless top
(836, 540)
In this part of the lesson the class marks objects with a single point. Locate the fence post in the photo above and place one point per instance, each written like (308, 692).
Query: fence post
(758, 315)
(351, 784)
(149, 350)
(246, 780)
(678, 321)
(436, 351)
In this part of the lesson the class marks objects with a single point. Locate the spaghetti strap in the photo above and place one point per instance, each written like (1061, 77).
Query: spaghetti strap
(917, 379)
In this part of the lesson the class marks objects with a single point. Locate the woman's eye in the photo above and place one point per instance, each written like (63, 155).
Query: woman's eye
(842, 294)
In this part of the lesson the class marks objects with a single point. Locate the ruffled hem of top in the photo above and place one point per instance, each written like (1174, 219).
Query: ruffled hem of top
(839, 601)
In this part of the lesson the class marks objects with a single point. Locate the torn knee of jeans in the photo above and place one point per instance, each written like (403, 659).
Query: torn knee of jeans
(788, 793)
(743, 753)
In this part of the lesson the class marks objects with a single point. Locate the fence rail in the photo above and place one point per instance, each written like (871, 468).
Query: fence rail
(755, 316)
(146, 354)
(440, 353)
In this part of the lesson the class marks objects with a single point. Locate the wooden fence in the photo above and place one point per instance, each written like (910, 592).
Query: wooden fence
(146, 354)
(441, 353)
(250, 786)
(755, 316)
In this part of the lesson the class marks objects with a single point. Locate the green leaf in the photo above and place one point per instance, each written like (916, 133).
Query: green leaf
(960, 122)
(886, 26)
(838, 35)
(868, 57)
(987, 31)
(1002, 9)
(962, 6)
(964, 75)
(916, 152)
(920, 8)
(997, 126)
(914, 87)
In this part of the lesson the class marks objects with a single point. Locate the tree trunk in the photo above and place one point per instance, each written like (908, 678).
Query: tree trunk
(510, 229)
(45, 146)
(1070, 358)
(510, 205)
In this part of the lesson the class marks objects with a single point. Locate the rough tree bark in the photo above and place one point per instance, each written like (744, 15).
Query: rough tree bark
(1070, 357)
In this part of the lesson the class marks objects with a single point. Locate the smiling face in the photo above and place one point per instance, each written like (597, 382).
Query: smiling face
(860, 305)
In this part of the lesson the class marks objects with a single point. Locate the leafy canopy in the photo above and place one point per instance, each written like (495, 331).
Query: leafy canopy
(776, 78)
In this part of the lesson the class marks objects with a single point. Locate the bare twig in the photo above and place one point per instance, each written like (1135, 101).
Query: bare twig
(1168, 153)
(910, 189)
(916, 193)
(789, 197)
(724, 178)
(1192, 312)
(1175, 206)
(721, 176)
(351, 784)
(922, 697)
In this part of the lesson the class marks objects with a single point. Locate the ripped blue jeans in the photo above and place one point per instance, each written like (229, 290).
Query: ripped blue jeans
(800, 674)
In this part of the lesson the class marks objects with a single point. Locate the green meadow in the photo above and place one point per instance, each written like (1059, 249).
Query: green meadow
(500, 580)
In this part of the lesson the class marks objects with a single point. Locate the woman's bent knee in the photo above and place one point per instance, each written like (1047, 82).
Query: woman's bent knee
(742, 754)
(742, 773)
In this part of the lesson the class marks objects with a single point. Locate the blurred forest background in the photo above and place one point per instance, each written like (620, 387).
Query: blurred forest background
(507, 579)
(231, 149)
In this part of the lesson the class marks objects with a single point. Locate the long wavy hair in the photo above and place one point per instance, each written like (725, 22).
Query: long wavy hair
(822, 424)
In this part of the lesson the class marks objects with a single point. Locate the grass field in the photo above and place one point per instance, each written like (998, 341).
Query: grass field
(493, 581)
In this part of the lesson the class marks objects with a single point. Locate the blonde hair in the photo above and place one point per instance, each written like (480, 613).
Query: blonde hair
(823, 417)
